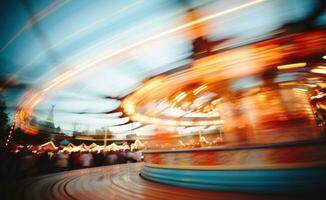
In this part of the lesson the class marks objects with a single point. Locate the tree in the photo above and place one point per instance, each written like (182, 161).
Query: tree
(20, 137)
(3, 120)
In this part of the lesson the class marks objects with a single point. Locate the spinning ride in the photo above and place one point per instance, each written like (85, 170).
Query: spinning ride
(261, 106)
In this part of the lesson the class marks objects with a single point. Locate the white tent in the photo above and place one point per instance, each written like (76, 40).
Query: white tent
(138, 144)
(112, 147)
(93, 145)
(75, 149)
(67, 148)
(71, 145)
(125, 146)
(49, 146)
(98, 148)
(95, 148)
(83, 147)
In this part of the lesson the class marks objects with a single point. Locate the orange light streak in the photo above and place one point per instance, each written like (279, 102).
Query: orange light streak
(291, 66)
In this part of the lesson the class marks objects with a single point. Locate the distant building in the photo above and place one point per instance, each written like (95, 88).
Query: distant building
(131, 136)
(48, 127)
(49, 122)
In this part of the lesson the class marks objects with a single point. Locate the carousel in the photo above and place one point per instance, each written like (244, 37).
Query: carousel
(256, 111)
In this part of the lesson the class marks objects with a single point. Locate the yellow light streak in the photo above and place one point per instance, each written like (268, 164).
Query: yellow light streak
(321, 67)
(291, 66)
(199, 89)
(318, 71)
(216, 101)
(170, 122)
(180, 96)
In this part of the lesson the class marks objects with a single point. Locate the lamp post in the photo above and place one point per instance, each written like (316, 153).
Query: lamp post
(105, 137)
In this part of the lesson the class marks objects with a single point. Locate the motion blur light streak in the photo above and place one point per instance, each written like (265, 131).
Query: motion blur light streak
(83, 67)
(35, 19)
(319, 70)
(180, 96)
(321, 67)
(199, 89)
(292, 66)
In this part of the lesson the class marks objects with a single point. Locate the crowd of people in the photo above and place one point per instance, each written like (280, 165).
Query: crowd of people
(26, 163)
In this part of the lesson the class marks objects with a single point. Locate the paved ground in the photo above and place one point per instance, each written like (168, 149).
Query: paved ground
(117, 182)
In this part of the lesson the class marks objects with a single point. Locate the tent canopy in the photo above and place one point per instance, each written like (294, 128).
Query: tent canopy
(112, 147)
(71, 145)
(138, 144)
(93, 145)
(49, 146)
(83, 146)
